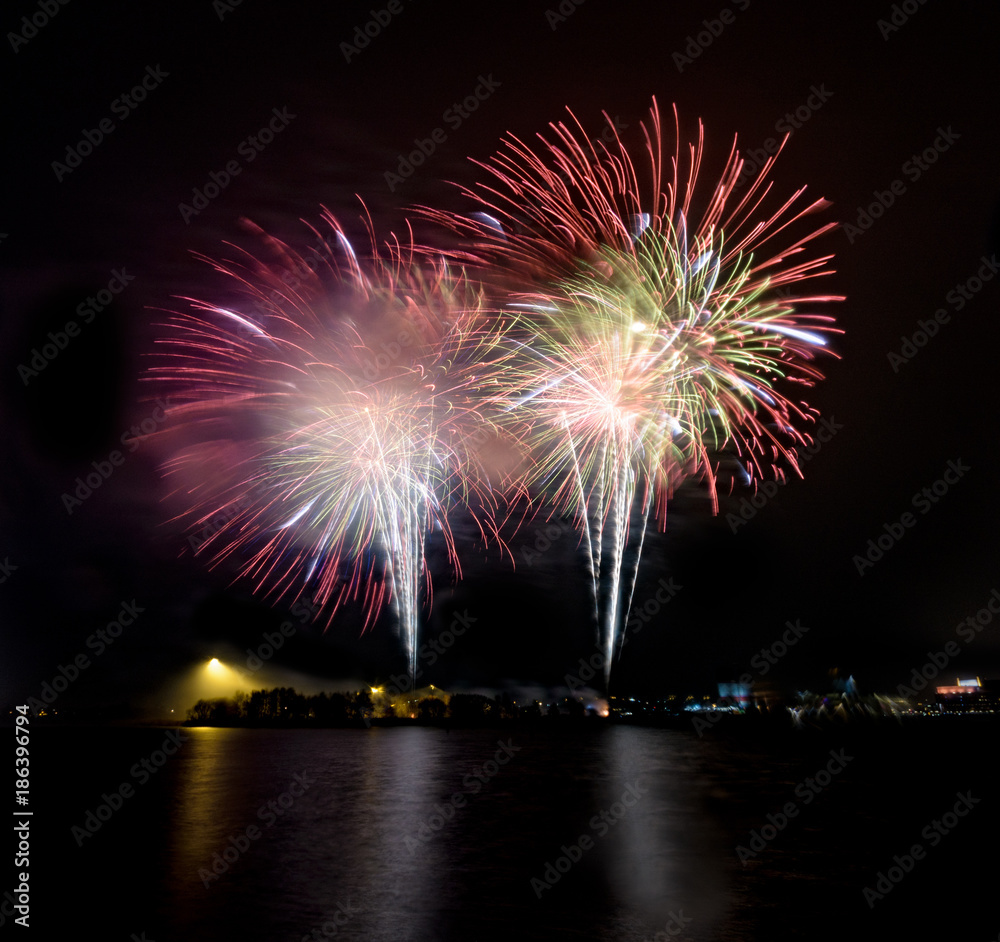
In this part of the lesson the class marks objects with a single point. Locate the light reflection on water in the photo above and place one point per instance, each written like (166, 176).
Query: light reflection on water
(398, 830)
(420, 835)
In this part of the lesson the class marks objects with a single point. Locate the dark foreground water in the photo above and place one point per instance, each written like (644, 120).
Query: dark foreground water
(422, 834)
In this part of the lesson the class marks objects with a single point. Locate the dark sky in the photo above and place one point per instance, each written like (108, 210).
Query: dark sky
(872, 96)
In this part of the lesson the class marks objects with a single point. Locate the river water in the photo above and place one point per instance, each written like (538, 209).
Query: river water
(588, 831)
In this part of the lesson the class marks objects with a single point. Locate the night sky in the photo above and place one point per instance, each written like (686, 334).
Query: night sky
(905, 108)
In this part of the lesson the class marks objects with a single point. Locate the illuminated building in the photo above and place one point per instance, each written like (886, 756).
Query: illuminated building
(966, 696)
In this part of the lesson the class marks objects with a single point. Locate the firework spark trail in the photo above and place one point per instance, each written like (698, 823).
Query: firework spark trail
(620, 513)
(635, 574)
(333, 459)
(593, 556)
(654, 344)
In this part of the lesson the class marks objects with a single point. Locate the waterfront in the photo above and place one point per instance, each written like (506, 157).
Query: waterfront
(568, 831)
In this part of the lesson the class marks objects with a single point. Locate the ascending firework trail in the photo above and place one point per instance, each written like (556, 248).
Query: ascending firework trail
(331, 416)
(656, 325)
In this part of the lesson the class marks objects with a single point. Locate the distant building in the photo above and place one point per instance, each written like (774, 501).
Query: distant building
(967, 696)
(736, 692)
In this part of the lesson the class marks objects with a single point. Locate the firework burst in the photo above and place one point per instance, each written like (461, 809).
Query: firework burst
(336, 412)
(658, 326)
